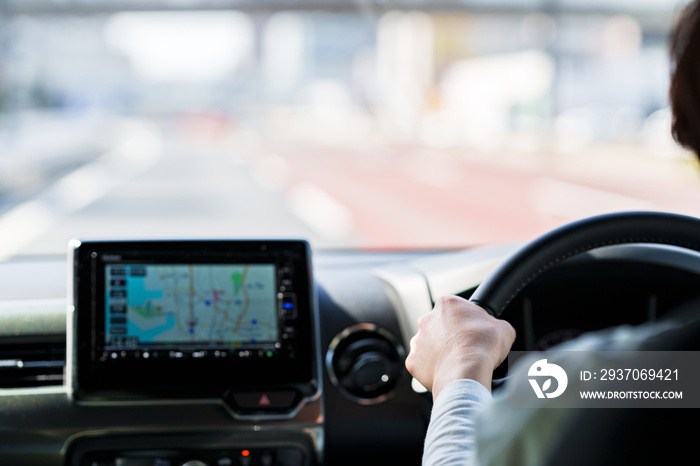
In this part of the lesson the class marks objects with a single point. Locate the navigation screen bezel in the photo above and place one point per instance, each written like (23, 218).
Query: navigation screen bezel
(189, 371)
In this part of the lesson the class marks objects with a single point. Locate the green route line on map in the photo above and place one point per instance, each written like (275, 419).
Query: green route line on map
(238, 279)
(238, 284)
(221, 317)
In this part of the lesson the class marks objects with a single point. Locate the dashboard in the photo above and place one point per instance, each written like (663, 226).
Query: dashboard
(313, 375)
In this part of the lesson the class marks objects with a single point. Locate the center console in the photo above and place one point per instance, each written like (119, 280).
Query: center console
(180, 323)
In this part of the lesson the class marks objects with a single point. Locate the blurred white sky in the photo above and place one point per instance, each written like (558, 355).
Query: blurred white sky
(192, 47)
(285, 101)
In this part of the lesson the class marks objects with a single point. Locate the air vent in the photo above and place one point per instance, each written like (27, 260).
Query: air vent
(35, 363)
(364, 362)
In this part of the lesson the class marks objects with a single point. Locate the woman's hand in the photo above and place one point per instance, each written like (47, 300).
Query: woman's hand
(458, 340)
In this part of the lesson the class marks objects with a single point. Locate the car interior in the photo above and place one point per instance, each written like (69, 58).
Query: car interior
(220, 220)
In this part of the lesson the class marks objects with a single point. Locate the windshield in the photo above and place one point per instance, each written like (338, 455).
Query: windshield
(406, 124)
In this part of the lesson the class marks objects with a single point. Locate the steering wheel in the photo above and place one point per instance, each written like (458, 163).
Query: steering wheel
(503, 284)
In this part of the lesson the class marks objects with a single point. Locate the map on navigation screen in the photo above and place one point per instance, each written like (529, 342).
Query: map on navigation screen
(176, 304)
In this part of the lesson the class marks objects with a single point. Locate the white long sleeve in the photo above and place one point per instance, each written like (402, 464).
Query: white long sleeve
(450, 436)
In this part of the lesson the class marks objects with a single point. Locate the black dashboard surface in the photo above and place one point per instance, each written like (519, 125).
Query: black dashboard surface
(367, 298)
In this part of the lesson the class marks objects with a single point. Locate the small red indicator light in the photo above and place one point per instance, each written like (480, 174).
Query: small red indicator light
(245, 453)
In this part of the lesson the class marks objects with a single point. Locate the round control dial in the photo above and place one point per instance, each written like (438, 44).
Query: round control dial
(364, 362)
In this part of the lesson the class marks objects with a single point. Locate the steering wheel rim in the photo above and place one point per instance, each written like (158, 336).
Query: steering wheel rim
(503, 284)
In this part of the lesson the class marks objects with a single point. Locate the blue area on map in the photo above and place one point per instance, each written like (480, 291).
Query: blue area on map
(147, 336)
(137, 294)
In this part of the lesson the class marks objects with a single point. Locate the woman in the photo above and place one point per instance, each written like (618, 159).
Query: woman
(458, 345)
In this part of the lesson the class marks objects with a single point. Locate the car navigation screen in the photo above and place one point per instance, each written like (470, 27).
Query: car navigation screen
(207, 306)
(215, 319)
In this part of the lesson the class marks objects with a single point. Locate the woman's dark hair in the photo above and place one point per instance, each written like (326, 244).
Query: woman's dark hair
(684, 92)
